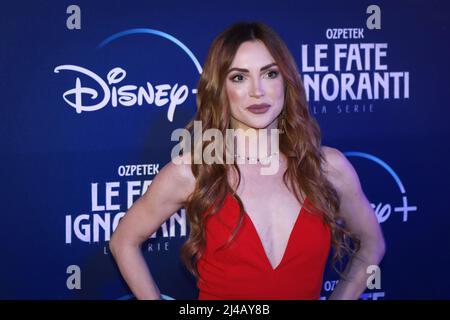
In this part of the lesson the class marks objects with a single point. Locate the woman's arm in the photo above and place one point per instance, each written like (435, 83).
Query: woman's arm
(360, 219)
(165, 195)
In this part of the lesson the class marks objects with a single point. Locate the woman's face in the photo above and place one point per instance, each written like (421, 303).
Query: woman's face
(254, 79)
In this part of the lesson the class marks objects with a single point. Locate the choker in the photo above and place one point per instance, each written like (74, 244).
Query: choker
(264, 160)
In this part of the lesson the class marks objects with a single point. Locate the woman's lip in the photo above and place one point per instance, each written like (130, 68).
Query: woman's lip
(258, 108)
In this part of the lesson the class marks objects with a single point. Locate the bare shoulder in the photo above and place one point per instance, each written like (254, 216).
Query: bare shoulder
(335, 160)
(181, 166)
(178, 173)
(354, 208)
(175, 181)
(166, 194)
(339, 171)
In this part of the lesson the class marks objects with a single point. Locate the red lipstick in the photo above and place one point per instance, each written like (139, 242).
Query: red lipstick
(258, 108)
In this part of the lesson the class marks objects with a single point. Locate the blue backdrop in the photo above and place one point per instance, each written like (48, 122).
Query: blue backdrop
(87, 115)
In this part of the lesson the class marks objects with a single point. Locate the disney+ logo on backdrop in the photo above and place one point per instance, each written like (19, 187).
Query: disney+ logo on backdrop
(109, 91)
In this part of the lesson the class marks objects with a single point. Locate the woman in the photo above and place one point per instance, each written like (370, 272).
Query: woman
(253, 235)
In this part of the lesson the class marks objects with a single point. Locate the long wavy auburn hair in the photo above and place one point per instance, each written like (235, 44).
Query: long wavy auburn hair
(300, 143)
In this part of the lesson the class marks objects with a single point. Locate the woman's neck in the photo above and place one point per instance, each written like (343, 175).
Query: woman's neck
(254, 145)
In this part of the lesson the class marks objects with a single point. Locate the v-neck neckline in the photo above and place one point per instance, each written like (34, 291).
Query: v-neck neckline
(261, 246)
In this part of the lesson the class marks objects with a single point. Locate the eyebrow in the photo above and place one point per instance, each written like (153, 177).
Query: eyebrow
(246, 70)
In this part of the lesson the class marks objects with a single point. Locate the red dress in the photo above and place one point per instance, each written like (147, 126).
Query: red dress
(242, 271)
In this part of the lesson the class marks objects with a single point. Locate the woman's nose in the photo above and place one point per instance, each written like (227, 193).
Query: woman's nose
(256, 90)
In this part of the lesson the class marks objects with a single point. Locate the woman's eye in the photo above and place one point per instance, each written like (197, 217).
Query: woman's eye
(237, 78)
(272, 74)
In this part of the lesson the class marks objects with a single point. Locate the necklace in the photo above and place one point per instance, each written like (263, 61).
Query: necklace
(264, 160)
